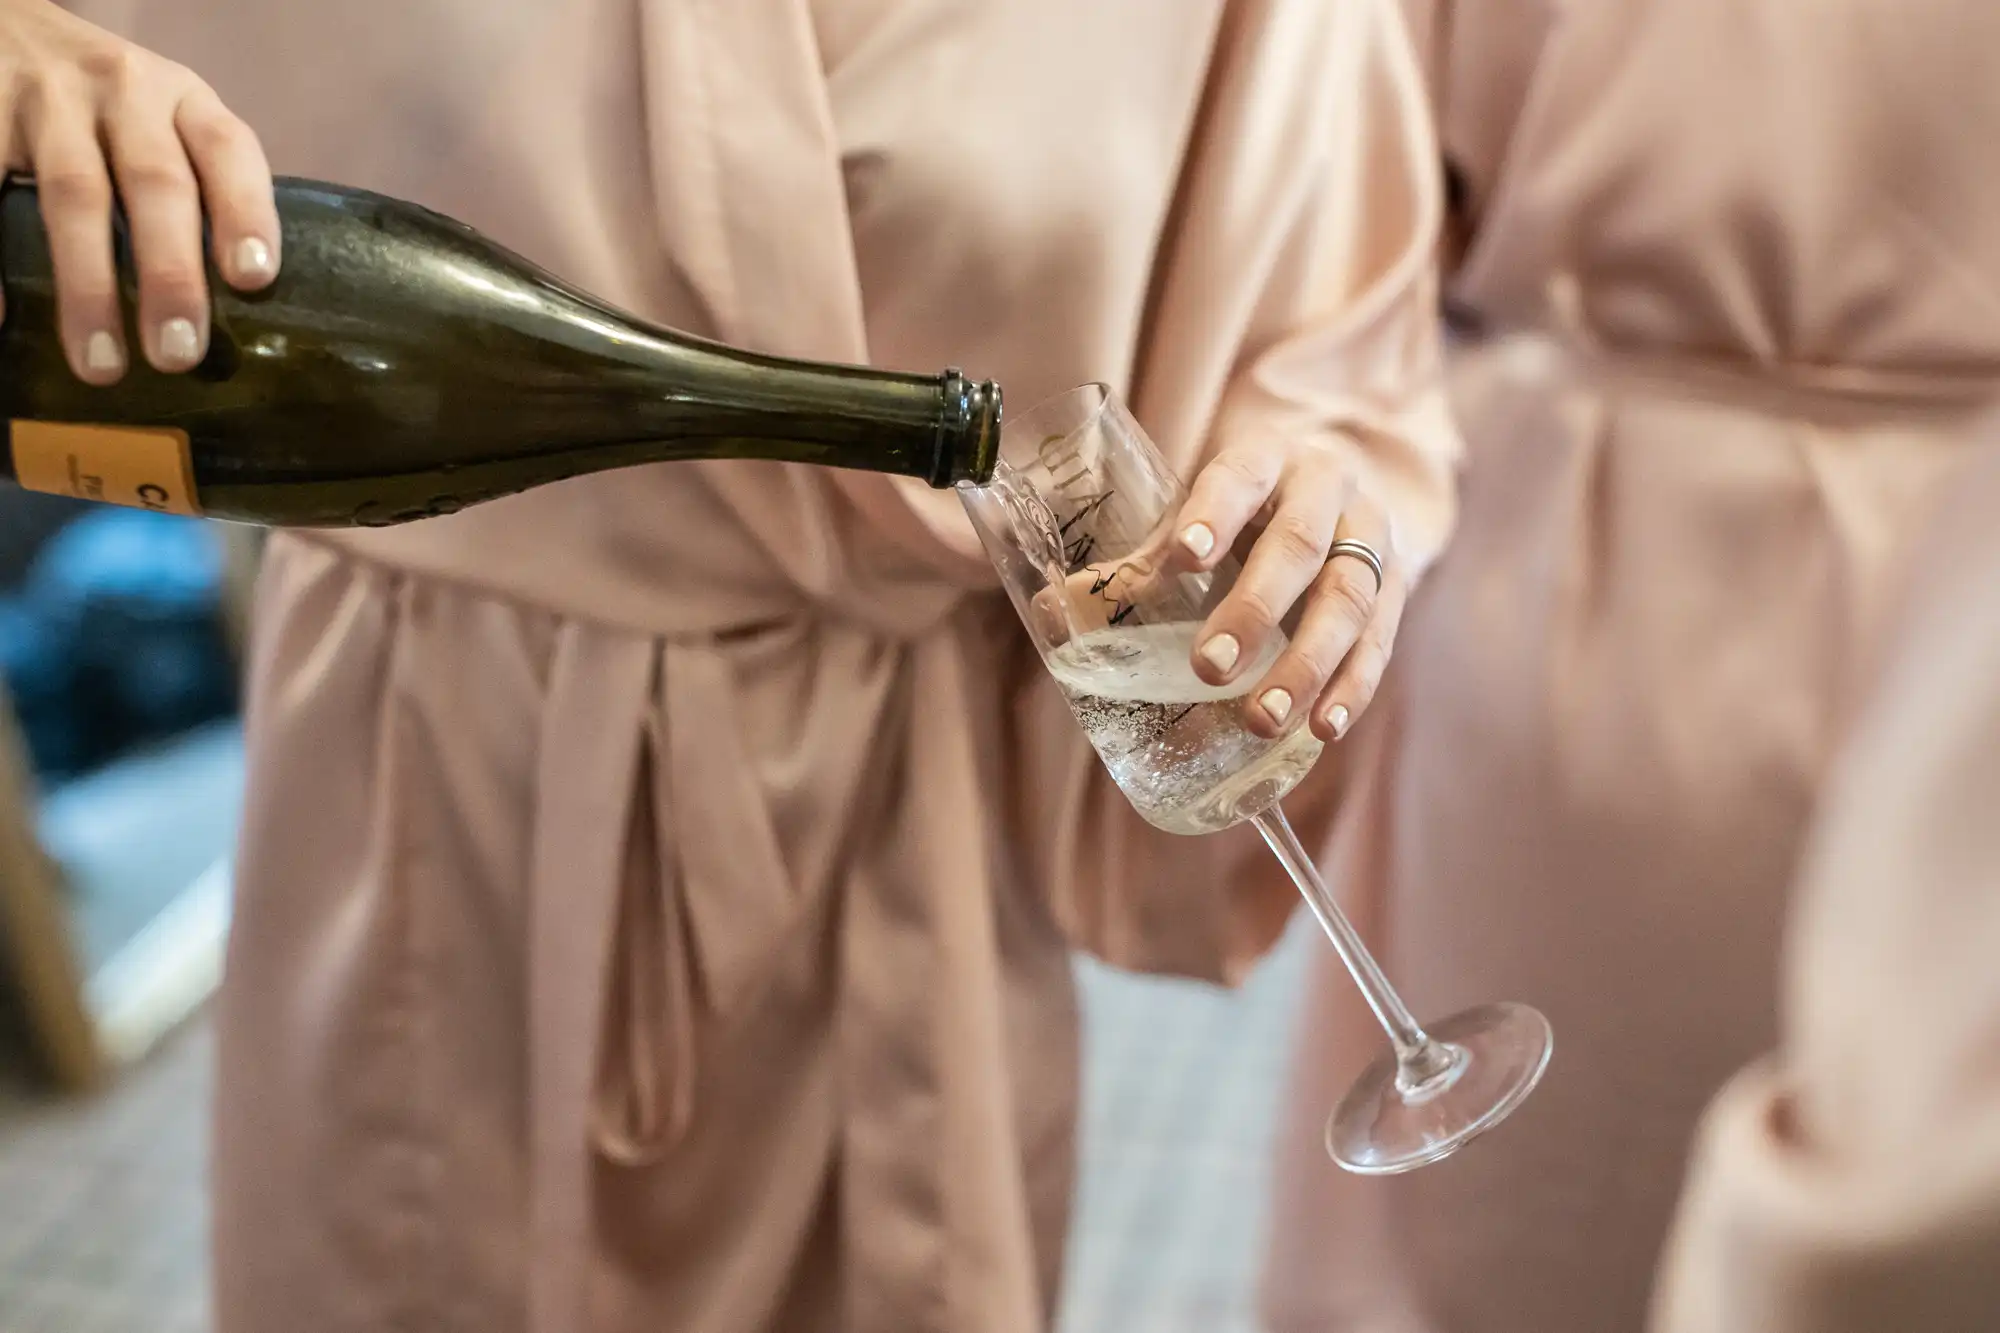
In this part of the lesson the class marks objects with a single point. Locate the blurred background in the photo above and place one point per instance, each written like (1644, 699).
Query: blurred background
(120, 781)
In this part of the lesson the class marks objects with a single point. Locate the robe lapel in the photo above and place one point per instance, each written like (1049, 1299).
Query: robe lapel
(752, 199)
(751, 195)
(752, 203)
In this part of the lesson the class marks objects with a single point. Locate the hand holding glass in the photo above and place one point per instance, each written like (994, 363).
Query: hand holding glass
(1078, 521)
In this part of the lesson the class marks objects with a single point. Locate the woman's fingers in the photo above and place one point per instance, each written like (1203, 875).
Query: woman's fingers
(1353, 687)
(163, 212)
(1284, 562)
(236, 184)
(1345, 601)
(59, 126)
(1227, 494)
(89, 113)
(1308, 501)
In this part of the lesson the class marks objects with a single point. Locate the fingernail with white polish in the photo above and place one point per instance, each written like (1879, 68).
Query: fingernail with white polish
(179, 344)
(1277, 703)
(1221, 652)
(1338, 717)
(101, 355)
(1199, 539)
(253, 258)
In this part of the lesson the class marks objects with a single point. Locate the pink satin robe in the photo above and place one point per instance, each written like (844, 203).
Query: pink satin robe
(657, 890)
(1851, 1184)
(1739, 264)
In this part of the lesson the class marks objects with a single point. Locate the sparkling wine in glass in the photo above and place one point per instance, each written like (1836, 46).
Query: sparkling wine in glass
(1078, 520)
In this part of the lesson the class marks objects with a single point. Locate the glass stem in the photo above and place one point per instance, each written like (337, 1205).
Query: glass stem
(1419, 1059)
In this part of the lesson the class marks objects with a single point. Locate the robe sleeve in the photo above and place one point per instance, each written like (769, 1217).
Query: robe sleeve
(1347, 337)
(1297, 297)
(1309, 225)
(1851, 1184)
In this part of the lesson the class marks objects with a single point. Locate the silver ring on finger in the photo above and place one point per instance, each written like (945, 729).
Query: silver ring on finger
(1361, 551)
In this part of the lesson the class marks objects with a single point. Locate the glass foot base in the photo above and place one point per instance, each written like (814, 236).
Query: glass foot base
(1498, 1053)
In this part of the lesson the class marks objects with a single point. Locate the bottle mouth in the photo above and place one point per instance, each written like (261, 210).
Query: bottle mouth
(968, 444)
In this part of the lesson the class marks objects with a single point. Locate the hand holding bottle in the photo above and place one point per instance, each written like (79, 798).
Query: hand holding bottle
(88, 112)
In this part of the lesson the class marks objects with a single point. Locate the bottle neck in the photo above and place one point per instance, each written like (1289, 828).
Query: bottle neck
(943, 429)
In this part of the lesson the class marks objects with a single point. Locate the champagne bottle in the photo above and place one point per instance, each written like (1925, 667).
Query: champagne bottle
(403, 366)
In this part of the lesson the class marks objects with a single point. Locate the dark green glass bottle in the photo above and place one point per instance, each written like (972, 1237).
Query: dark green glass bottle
(402, 366)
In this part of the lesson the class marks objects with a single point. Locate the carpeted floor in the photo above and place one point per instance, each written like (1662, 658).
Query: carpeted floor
(102, 1220)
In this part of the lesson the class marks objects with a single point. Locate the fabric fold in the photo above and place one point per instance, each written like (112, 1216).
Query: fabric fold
(589, 757)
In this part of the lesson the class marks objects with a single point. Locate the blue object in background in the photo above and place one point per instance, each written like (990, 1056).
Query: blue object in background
(41, 672)
(116, 638)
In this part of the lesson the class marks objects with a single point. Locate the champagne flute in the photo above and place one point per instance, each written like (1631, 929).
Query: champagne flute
(1077, 521)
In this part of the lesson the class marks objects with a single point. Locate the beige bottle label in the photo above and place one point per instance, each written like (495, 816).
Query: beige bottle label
(142, 467)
